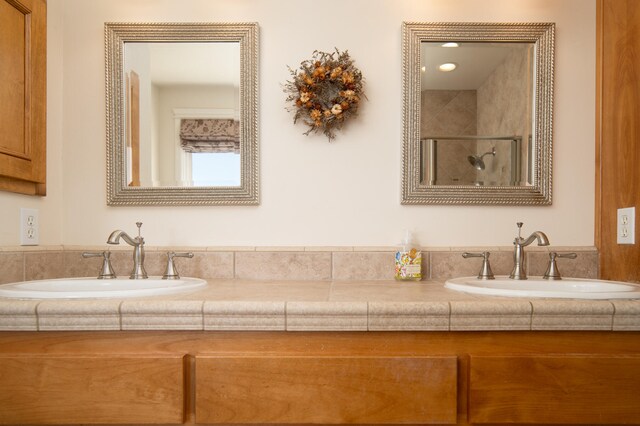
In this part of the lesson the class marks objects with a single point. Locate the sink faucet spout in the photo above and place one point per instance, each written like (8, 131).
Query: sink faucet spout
(115, 236)
(137, 243)
(519, 244)
(542, 238)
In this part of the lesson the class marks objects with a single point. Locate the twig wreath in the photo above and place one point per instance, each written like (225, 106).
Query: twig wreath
(325, 91)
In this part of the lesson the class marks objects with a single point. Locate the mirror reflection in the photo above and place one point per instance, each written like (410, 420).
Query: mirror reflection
(477, 113)
(182, 114)
(476, 123)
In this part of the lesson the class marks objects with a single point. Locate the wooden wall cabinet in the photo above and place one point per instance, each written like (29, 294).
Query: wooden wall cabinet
(376, 378)
(23, 53)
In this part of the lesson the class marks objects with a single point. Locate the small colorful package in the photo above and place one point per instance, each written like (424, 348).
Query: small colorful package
(409, 265)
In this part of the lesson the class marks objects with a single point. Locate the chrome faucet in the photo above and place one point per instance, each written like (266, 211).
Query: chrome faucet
(520, 243)
(138, 271)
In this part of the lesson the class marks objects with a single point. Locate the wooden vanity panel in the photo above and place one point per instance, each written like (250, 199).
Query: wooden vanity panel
(326, 390)
(577, 389)
(91, 390)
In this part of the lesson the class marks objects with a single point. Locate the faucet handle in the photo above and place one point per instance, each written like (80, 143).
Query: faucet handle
(552, 272)
(171, 273)
(106, 271)
(485, 271)
(519, 225)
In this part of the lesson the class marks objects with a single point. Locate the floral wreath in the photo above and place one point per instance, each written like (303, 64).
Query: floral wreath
(325, 91)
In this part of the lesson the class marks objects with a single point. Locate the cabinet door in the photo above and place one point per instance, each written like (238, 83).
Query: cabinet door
(107, 390)
(23, 96)
(554, 389)
(326, 390)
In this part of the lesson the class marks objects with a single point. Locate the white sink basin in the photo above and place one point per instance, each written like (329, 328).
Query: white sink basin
(89, 288)
(569, 288)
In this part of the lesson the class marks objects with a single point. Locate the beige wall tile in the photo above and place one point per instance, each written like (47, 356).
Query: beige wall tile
(584, 266)
(18, 315)
(627, 315)
(122, 262)
(162, 315)
(230, 248)
(385, 316)
(364, 266)
(329, 248)
(77, 266)
(240, 315)
(388, 249)
(79, 315)
(445, 265)
(564, 248)
(205, 265)
(491, 315)
(326, 316)
(283, 265)
(12, 267)
(44, 265)
(155, 262)
(572, 315)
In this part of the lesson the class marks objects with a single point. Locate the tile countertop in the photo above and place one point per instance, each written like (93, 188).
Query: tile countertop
(320, 306)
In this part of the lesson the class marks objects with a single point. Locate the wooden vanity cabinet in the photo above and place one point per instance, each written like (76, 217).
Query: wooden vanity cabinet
(326, 390)
(99, 389)
(214, 378)
(23, 51)
(554, 389)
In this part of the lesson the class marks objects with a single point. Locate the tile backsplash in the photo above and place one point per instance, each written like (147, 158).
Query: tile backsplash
(285, 263)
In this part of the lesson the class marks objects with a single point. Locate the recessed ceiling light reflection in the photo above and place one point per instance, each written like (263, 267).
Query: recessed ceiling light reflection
(450, 44)
(447, 67)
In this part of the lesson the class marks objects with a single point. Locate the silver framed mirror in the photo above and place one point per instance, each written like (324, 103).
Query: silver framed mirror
(477, 113)
(182, 113)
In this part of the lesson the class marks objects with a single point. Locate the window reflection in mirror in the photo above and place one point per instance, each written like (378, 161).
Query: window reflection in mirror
(215, 169)
(170, 87)
(476, 124)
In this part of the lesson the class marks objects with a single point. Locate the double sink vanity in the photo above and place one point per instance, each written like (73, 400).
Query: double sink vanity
(473, 350)
(277, 351)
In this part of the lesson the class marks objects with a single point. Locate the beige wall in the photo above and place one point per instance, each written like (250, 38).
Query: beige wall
(313, 192)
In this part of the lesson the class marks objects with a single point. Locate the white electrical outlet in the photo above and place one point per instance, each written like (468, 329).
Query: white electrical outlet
(29, 227)
(626, 225)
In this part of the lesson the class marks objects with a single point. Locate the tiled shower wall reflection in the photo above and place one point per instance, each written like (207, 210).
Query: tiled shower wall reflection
(500, 107)
(286, 263)
(451, 113)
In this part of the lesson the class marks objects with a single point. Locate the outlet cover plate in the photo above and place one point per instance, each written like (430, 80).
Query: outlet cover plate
(29, 227)
(627, 225)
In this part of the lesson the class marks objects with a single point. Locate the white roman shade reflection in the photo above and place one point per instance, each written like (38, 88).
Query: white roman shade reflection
(210, 135)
